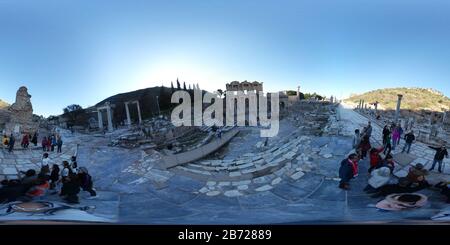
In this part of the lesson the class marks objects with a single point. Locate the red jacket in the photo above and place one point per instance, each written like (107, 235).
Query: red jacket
(375, 157)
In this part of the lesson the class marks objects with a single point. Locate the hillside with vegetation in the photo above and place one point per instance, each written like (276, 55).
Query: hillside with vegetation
(413, 99)
(3, 104)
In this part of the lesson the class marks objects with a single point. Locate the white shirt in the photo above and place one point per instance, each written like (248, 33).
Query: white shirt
(46, 162)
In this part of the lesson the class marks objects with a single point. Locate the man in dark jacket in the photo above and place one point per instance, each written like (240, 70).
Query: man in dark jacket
(409, 139)
(348, 170)
(12, 141)
(439, 156)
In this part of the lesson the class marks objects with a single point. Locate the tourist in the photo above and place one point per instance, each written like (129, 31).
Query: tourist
(403, 186)
(386, 133)
(40, 187)
(5, 140)
(74, 164)
(86, 182)
(388, 162)
(44, 144)
(416, 175)
(30, 177)
(34, 139)
(409, 139)
(400, 131)
(445, 189)
(395, 137)
(45, 160)
(70, 189)
(439, 157)
(66, 171)
(348, 170)
(54, 176)
(25, 141)
(388, 145)
(53, 142)
(368, 129)
(375, 158)
(45, 171)
(59, 143)
(378, 178)
(364, 146)
(12, 141)
(356, 139)
(13, 190)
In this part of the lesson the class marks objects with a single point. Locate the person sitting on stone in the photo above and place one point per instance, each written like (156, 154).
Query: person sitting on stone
(375, 158)
(388, 162)
(403, 186)
(348, 170)
(39, 188)
(30, 176)
(416, 175)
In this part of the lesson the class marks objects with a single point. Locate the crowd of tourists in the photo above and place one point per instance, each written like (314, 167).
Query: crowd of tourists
(48, 143)
(381, 164)
(66, 180)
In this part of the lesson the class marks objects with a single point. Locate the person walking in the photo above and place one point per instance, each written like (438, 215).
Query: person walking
(386, 133)
(364, 146)
(409, 139)
(441, 152)
(368, 130)
(34, 139)
(25, 141)
(59, 144)
(348, 170)
(356, 139)
(12, 141)
(44, 144)
(395, 137)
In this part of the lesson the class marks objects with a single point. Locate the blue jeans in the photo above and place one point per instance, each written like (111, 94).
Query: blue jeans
(434, 164)
(407, 145)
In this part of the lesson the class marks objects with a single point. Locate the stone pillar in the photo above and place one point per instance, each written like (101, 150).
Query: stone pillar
(127, 110)
(108, 113)
(139, 112)
(298, 92)
(100, 119)
(397, 112)
(362, 105)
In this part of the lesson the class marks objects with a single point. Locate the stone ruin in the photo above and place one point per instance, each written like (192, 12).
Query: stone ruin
(19, 116)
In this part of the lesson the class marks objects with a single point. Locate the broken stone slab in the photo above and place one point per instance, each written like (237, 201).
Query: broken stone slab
(297, 175)
(242, 187)
(242, 182)
(203, 190)
(276, 181)
(210, 183)
(264, 188)
(213, 193)
(232, 193)
(235, 174)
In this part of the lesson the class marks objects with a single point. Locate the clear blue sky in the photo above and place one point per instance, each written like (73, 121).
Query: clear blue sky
(81, 52)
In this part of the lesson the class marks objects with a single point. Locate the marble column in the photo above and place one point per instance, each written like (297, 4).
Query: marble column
(127, 110)
(108, 113)
(139, 112)
(100, 119)
(397, 112)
